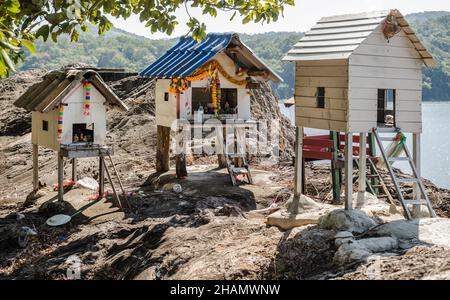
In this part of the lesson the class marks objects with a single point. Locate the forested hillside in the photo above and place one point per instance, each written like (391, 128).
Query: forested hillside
(120, 49)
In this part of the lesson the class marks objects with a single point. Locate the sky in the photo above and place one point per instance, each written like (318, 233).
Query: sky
(301, 17)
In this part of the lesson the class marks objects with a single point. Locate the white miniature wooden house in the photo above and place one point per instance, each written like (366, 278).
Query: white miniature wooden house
(75, 100)
(362, 73)
(191, 65)
(69, 116)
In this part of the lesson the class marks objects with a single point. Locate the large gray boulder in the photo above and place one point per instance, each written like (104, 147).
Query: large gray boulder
(351, 252)
(347, 220)
(379, 244)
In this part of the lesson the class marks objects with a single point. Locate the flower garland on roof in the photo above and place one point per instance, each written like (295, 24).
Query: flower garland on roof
(209, 69)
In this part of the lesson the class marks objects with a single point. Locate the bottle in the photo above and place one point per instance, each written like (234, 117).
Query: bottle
(200, 113)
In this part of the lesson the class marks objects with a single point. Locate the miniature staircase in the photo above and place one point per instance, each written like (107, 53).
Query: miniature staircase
(375, 183)
(237, 163)
(422, 195)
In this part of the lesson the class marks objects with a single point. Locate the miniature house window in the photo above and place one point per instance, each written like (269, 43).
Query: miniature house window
(386, 107)
(82, 133)
(320, 97)
(201, 96)
(166, 96)
(45, 125)
(228, 103)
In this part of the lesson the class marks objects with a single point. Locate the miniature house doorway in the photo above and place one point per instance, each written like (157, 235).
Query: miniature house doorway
(386, 107)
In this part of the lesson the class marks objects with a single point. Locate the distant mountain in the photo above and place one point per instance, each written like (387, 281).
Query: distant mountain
(426, 16)
(121, 49)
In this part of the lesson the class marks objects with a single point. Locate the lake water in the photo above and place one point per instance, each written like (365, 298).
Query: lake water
(435, 143)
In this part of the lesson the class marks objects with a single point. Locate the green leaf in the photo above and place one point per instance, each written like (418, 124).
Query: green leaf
(5, 44)
(55, 37)
(247, 19)
(8, 60)
(29, 45)
(44, 32)
(14, 6)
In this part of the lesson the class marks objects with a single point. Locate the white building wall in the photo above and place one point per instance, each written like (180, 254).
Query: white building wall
(333, 76)
(73, 113)
(378, 64)
(165, 111)
(43, 138)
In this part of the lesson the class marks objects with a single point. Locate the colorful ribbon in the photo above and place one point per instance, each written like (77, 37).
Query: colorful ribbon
(60, 120)
(87, 99)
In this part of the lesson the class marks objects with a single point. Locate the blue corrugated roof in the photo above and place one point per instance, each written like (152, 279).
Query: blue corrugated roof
(187, 55)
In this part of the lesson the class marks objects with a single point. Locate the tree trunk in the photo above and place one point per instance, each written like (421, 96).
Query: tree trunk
(162, 149)
(180, 165)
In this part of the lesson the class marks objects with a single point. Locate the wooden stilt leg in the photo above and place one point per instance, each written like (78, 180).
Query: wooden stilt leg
(222, 162)
(180, 165)
(60, 176)
(74, 169)
(162, 149)
(362, 168)
(35, 167)
(373, 153)
(298, 176)
(348, 171)
(416, 158)
(101, 177)
(335, 171)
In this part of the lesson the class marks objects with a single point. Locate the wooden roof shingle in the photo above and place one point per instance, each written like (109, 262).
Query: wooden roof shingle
(337, 37)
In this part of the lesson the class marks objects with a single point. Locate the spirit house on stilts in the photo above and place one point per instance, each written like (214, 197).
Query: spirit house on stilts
(201, 81)
(361, 73)
(69, 116)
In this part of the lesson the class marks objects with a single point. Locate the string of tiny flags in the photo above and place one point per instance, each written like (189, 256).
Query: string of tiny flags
(87, 98)
(60, 120)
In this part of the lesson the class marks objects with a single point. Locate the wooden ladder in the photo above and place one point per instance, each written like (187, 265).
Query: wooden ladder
(422, 197)
(237, 163)
(119, 201)
(376, 185)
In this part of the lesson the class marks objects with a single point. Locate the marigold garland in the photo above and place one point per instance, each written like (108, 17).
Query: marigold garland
(210, 69)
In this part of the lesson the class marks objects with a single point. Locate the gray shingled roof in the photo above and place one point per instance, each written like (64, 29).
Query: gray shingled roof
(338, 36)
(47, 94)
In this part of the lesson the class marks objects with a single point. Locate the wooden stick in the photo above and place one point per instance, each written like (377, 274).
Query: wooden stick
(119, 180)
(111, 182)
